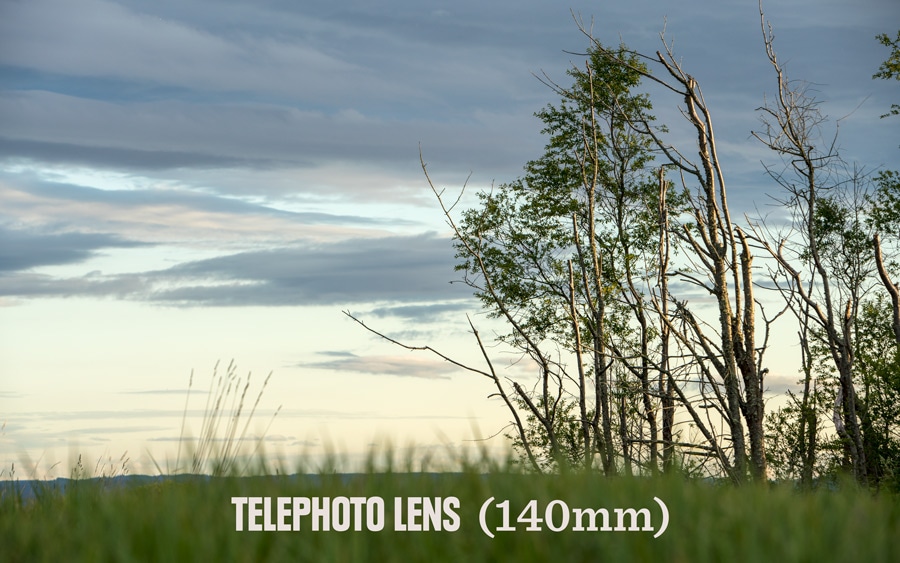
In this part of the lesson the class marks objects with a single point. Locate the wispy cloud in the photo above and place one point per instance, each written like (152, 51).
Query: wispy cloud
(421, 312)
(23, 249)
(408, 365)
(128, 203)
(402, 268)
(94, 284)
(118, 157)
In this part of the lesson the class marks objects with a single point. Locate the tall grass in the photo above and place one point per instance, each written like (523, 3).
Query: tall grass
(220, 447)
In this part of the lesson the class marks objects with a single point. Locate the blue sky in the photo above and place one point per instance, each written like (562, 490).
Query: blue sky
(186, 182)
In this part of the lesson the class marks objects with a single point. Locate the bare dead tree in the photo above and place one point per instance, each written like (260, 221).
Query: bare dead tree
(666, 387)
(832, 293)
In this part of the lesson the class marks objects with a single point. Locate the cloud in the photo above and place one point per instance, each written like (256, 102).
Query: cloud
(133, 199)
(778, 384)
(158, 86)
(109, 39)
(23, 250)
(318, 51)
(178, 135)
(399, 268)
(390, 269)
(410, 365)
(29, 285)
(422, 313)
(321, 89)
(155, 212)
(107, 429)
(118, 157)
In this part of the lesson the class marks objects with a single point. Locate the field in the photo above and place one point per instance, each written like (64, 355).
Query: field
(409, 507)
(195, 518)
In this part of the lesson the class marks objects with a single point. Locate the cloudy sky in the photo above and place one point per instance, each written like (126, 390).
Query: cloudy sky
(188, 182)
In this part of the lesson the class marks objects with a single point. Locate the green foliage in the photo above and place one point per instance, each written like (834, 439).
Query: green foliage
(878, 381)
(890, 68)
(842, 228)
(876, 377)
(884, 202)
(523, 230)
(787, 450)
(567, 428)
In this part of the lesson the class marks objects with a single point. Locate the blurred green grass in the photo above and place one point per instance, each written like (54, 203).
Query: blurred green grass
(193, 519)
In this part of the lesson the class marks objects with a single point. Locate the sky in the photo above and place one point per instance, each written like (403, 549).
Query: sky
(190, 182)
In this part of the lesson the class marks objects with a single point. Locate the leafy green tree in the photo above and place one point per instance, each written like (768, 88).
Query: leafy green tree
(815, 453)
(878, 381)
(825, 263)
(563, 254)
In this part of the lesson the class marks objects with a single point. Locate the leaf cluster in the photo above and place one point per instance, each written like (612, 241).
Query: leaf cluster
(890, 68)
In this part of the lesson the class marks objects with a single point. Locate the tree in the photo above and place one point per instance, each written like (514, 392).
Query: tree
(821, 263)
(826, 265)
(569, 258)
(588, 257)
(559, 254)
(878, 381)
